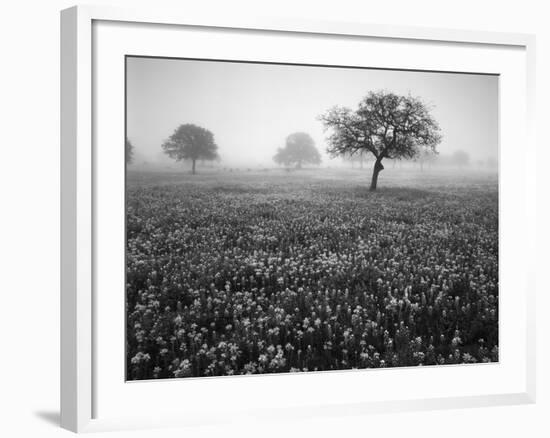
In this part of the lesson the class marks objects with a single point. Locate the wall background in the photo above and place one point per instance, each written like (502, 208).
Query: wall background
(29, 217)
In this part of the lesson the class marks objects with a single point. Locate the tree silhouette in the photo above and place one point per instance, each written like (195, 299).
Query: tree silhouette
(191, 142)
(386, 125)
(426, 156)
(299, 149)
(460, 158)
(129, 151)
(360, 157)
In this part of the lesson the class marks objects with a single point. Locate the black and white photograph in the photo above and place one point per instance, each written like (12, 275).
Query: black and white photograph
(264, 219)
(285, 218)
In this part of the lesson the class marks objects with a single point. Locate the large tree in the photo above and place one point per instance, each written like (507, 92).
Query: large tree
(386, 125)
(129, 151)
(299, 149)
(191, 142)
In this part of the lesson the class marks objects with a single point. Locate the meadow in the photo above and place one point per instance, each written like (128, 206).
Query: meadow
(270, 271)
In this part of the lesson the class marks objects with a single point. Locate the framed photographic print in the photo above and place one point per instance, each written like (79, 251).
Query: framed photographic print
(269, 218)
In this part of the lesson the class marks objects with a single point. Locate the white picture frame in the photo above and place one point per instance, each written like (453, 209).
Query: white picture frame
(81, 370)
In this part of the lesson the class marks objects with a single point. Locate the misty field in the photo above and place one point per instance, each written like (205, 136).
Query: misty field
(269, 271)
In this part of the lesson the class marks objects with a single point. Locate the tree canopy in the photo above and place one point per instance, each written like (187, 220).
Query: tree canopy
(191, 142)
(386, 125)
(299, 150)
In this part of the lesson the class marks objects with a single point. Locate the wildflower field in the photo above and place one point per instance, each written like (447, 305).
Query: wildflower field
(248, 272)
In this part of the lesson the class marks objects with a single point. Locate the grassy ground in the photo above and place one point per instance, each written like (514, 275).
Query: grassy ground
(235, 272)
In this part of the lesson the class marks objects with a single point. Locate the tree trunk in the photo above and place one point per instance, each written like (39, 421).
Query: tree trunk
(378, 167)
(193, 168)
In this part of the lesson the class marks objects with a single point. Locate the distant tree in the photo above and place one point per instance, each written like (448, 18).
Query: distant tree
(442, 160)
(426, 157)
(191, 142)
(460, 158)
(386, 125)
(299, 149)
(129, 151)
(360, 157)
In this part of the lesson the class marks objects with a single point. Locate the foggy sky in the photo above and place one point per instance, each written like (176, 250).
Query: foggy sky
(251, 108)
